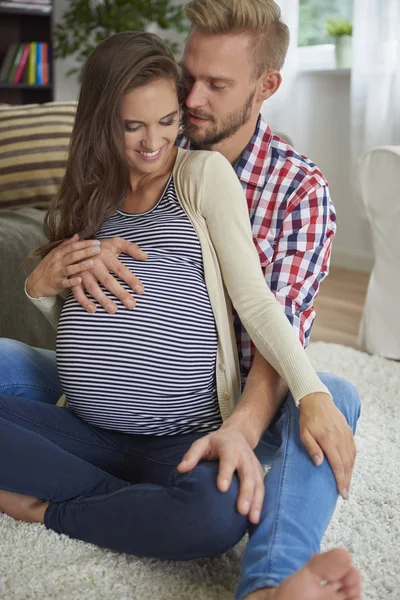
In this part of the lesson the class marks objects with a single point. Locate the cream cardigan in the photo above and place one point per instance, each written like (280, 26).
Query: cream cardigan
(214, 201)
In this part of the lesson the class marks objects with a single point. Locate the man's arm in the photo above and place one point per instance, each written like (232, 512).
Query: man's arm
(262, 396)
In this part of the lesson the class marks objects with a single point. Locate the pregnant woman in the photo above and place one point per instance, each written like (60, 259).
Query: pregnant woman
(145, 383)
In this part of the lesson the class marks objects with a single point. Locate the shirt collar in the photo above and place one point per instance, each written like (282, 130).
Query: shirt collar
(250, 166)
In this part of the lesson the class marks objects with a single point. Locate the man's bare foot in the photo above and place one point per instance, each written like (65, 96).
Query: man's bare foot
(22, 508)
(328, 576)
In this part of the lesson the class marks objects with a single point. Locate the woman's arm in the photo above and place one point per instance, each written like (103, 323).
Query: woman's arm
(57, 272)
(223, 206)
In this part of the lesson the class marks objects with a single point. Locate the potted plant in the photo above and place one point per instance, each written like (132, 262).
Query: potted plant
(341, 31)
(85, 24)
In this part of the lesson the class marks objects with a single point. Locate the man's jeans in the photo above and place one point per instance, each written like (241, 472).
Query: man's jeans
(123, 492)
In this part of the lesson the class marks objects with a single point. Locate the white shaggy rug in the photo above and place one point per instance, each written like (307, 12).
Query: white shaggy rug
(39, 564)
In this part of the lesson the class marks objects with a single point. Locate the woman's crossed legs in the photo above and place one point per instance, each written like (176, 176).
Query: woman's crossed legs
(115, 490)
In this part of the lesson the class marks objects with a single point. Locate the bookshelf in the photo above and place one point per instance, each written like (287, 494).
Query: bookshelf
(18, 25)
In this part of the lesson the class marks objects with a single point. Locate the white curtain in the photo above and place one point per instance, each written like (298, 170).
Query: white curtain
(277, 111)
(375, 87)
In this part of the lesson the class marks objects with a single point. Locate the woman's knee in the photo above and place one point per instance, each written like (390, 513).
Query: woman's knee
(28, 372)
(345, 396)
(222, 525)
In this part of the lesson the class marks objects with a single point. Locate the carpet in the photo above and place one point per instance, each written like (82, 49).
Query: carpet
(39, 564)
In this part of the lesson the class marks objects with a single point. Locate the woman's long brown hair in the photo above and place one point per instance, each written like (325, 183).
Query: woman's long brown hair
(97, 174)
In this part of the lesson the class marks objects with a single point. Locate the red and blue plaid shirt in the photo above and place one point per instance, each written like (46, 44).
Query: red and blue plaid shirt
(293, 222)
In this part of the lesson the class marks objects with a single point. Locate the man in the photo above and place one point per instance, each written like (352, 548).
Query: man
(231, 65)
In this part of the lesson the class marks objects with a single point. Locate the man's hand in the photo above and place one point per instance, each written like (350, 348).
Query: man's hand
(325, 431)
(230, 447)
(105, 263)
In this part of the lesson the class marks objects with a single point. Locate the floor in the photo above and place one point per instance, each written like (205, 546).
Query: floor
(339, 307)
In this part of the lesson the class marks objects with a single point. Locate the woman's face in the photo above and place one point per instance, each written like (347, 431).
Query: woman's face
(150, 116)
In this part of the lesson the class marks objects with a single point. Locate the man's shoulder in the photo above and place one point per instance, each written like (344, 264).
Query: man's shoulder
(271, 163)
(284, 161)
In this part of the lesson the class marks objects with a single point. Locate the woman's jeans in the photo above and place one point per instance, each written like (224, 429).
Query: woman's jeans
(123, 492)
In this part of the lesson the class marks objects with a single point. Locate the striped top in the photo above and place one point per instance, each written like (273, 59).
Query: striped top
(149, 371)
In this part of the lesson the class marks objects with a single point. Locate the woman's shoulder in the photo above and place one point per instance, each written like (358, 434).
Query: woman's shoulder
(196, 160)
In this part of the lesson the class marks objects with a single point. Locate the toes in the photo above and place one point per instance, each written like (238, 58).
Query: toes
(351, 585)
(332, 566)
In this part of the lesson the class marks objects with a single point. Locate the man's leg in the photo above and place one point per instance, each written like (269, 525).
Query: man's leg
(299, 497)
(184, 519)
(28, 372)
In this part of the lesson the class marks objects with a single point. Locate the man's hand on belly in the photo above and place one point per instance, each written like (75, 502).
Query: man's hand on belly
(230, 447)
(105, 263)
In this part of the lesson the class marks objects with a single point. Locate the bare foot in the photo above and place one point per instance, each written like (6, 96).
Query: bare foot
(22, 508)
(328, 576)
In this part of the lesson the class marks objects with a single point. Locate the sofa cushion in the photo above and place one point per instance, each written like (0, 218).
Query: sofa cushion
(33, 151)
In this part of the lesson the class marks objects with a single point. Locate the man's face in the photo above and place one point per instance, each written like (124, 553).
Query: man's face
(219, 87)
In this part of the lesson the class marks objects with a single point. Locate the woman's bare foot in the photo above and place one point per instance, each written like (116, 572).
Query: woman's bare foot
(22, 508)
(328, 576)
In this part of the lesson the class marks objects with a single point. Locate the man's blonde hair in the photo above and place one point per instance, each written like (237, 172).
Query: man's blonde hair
(260, 18)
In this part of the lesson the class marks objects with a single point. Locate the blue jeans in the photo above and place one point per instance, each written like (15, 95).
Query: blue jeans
(123, 492)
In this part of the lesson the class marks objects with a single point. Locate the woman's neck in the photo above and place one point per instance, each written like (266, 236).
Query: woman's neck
(146, 189)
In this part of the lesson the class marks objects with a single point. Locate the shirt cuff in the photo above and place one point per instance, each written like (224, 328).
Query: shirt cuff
(44, 304)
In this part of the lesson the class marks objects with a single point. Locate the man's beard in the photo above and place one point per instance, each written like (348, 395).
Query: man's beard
(231, 125)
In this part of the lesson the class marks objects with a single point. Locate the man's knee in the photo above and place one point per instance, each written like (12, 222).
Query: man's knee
(345, 396)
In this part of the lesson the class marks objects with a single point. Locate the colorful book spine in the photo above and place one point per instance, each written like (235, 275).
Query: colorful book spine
(39, 63)
(15, 63)
(32, 64)
(45, 63)
(8, 61)
(22, 63)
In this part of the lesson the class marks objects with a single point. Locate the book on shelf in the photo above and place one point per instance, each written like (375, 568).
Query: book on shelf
(8, 61)
(28, 6)
(32, 64)
(22, 63)
(26, 63)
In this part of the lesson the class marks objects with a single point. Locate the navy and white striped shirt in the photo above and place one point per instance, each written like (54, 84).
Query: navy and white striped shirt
(150, 370)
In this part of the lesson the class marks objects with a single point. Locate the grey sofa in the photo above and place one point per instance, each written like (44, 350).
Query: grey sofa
(21, 231)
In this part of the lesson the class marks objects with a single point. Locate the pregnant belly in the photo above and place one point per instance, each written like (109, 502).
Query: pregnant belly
(164, 348)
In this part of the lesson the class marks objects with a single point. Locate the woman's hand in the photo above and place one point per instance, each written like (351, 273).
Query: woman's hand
(325, 431)
(56, 272)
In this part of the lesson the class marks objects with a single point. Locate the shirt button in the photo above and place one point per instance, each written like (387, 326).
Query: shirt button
(221, 367)
(226, 395)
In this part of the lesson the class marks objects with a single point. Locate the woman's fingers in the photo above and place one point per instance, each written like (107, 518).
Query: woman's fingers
(69, 283)
(76, 246)
(80, 255)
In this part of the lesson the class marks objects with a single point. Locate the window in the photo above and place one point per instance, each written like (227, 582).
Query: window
(313, 17)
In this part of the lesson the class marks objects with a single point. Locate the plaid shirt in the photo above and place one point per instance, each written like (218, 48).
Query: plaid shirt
(293, 222)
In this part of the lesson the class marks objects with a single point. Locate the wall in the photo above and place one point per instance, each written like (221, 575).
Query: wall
(320, 128)
(66, 87)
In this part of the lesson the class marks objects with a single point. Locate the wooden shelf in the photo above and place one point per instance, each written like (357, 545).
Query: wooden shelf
(36, 12)
(21, 26)
(24, 86)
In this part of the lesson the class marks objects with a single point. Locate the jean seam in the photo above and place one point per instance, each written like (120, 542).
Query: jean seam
(282, 480)
(107, 497)
(30, 386)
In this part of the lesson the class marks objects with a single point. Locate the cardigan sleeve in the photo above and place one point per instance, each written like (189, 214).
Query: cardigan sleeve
(223, 206)
(50, 307)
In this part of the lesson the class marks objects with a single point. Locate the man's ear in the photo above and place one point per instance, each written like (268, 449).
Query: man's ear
(269, 83)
